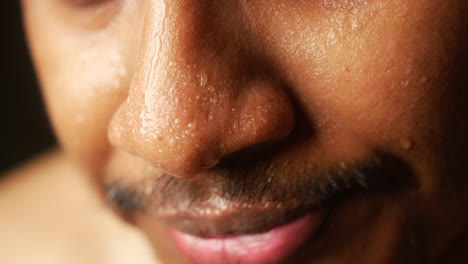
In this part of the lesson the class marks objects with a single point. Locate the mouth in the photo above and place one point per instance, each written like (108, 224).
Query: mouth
(265, 245)
(229, 231)
(226, 231)
(250, 218)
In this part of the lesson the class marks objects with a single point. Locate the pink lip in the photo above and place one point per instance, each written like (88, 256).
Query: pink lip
(269, 247)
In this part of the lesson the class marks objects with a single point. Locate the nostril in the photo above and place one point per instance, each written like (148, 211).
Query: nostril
(266, 116)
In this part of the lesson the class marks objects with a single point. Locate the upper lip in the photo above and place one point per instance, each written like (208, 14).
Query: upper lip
(205, 211)
(253, 220)
(236, 204)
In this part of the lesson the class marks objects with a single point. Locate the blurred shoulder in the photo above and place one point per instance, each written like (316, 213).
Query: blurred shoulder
(41, 169)
(48, 209)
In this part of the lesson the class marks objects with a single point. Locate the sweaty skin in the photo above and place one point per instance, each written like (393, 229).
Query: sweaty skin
(193, 89)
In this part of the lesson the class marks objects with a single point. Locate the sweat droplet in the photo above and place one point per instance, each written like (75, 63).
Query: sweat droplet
(407, 144)
(211, 89)
(210, 162)
(203, 78)
(405, 83)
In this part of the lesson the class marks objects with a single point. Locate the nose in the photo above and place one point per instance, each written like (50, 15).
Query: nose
(201, 90)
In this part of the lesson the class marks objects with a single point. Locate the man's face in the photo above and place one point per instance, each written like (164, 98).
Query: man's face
(321, 131)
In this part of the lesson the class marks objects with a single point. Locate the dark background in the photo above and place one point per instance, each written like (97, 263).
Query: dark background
(25, 131)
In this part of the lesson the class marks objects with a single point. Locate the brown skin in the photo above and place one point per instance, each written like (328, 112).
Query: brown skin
(353, 77)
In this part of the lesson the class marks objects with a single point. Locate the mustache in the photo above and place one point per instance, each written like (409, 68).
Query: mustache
(260, 185)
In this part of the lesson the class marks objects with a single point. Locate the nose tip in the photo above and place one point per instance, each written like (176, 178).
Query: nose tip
(168, 139)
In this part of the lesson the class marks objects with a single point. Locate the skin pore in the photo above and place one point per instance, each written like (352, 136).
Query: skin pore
(204, 104)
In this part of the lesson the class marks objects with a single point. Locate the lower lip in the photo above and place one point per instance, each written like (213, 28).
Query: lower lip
(269, 247)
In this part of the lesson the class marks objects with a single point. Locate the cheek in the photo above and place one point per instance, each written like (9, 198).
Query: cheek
(377, 72)
(84, 72)
(400, 79)
(82, 95)
(83, 90)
